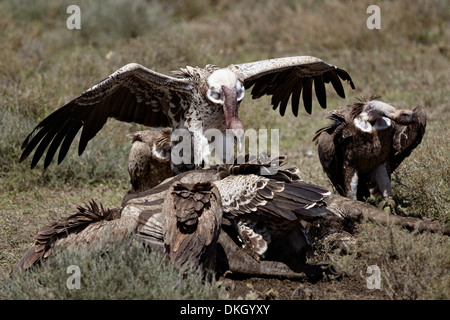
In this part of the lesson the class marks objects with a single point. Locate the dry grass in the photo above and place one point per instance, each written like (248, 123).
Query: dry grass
(412, 266)
(44, 65)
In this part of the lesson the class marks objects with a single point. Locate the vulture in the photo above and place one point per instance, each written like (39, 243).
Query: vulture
(149, 159)
(192, 223)
(258, 209)
(193, 99)
(183, 218)
(191, 218)
(365, 143)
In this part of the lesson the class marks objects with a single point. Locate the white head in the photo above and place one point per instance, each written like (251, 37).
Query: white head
(224, 88)
(224, 78)
(376, 109)
(161, 153)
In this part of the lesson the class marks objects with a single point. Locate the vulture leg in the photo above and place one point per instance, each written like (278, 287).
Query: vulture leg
(383, 182)
(351, 185)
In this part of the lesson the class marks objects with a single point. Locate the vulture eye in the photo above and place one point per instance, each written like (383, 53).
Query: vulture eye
(240, 91)
(240, 94)
(215, 96)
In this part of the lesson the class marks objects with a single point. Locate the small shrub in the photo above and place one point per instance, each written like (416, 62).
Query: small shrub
(421, 184)
(122, 271)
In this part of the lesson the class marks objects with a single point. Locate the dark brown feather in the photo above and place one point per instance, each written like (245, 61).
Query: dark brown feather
(406, 139)
(319, 87)
(190, 235)
(345, 150)
(131, 94)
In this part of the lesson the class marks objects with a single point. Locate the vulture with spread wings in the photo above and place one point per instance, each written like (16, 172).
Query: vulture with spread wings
(196, 99)
(365, 143)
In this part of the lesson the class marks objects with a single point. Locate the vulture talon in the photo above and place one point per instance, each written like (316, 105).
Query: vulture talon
(388, 206)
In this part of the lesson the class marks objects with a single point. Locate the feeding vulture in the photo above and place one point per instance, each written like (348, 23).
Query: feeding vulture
(257, 209)
(260, 206)
(192, 223)
(365, 143)
(191, 218)
(196, 99)
(149, 159)
(184, 216)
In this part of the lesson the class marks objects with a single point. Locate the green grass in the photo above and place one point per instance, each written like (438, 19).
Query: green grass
(412, 266)
(121, 271)
(45, 65)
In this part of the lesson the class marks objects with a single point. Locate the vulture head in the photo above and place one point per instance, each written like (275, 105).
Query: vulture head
(157, 140)
(149, 159)
(224, 88)
(378, 114)
(376, 109)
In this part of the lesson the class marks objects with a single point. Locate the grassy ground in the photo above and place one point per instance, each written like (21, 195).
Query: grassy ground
(44, 65)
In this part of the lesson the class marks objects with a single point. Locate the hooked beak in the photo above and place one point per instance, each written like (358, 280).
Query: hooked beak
(239, 134)
(232, 120)
(417, 118)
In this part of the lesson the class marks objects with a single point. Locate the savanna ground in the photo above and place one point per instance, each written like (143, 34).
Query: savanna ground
(44, 65)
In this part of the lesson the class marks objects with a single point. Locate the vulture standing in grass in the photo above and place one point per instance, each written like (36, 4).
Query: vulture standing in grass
(196, 99)
(149, 159)
(365, 143)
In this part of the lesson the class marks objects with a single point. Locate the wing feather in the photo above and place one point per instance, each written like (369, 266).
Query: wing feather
(336, 83)
(307, 94)
(319, 87)
(56, 142)
(329, 141)
(295, 101)
(266, 76)
(131, 94)
(251, 196)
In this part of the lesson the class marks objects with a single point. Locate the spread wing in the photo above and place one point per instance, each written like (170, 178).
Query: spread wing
(282, 195)
(292, 77)
(406, 139)
(131, 94)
